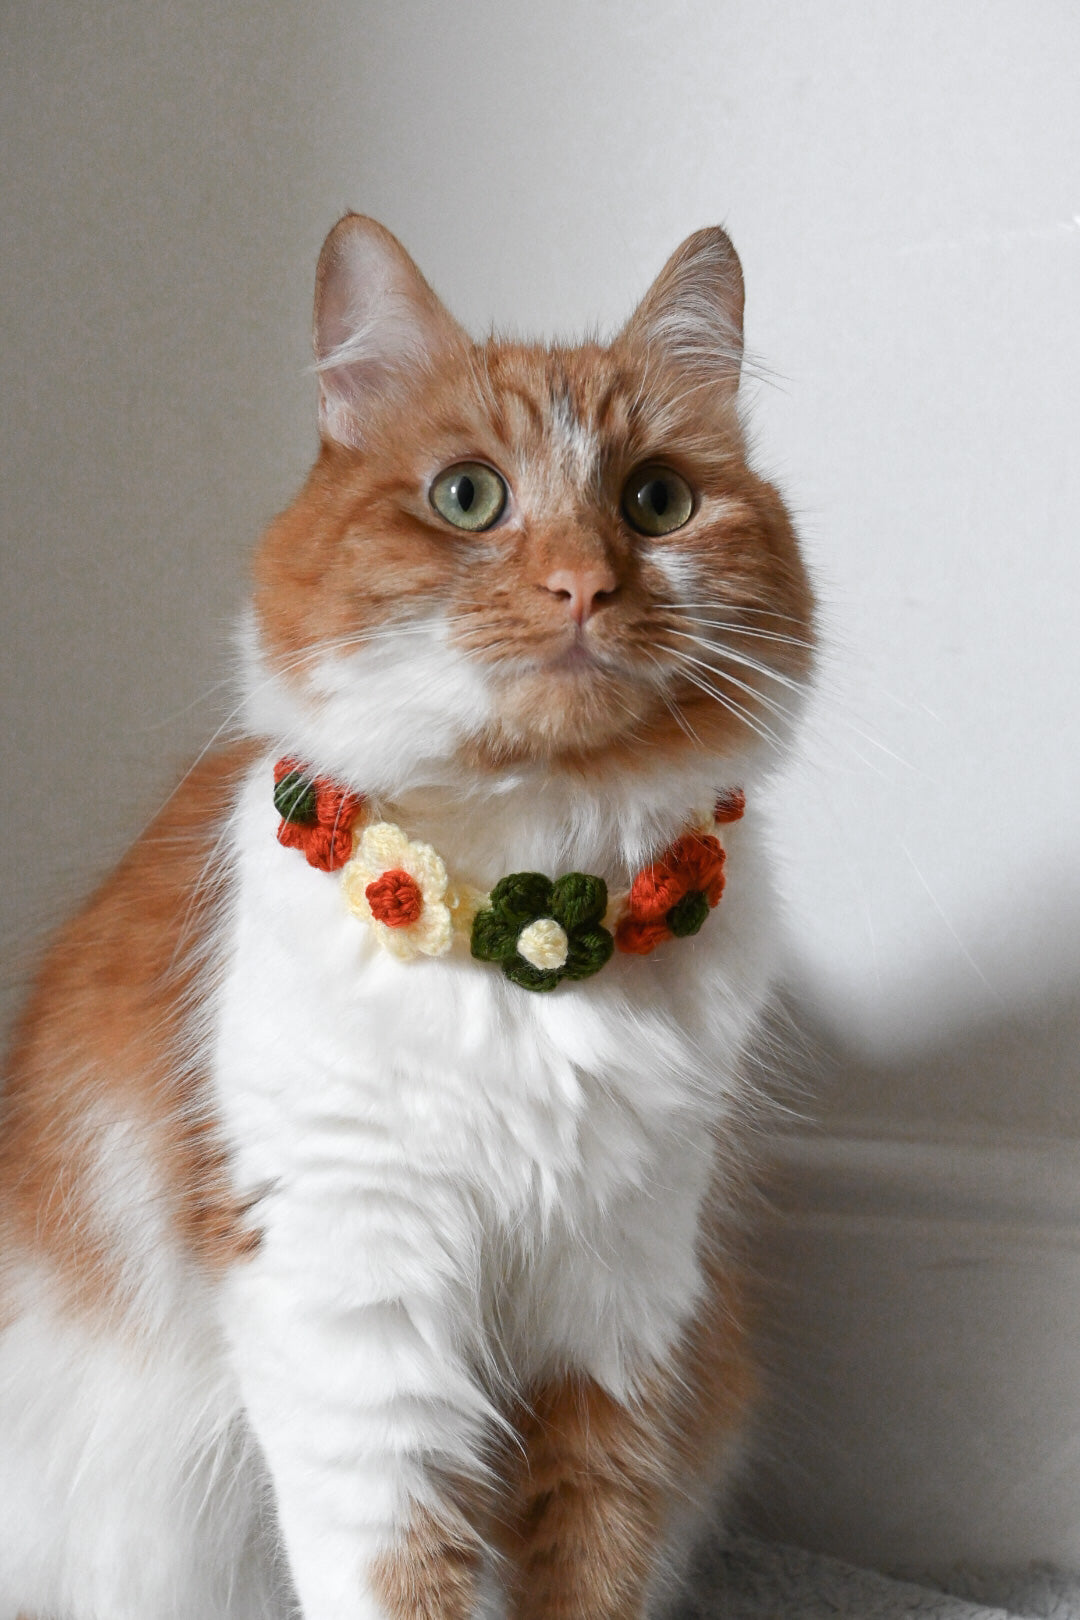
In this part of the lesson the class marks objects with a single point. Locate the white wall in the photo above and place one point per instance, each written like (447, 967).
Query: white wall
(903, 184)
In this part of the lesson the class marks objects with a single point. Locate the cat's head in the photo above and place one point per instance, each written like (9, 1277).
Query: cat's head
(512, 557)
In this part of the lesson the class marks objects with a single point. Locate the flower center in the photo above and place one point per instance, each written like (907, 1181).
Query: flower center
(687, 915)
(544, 944)
(395, 899)
(296, 798)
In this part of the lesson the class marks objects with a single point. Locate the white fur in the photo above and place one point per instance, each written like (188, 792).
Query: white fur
(577, 445)
(461, 1187)
(130, 1485)
(679, 570)
(467, 1185)
(351, 711)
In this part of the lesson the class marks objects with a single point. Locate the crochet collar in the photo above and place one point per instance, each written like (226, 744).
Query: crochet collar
(538, 930)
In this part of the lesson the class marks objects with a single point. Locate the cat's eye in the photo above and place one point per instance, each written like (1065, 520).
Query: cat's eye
(470, 496)
(656, 500)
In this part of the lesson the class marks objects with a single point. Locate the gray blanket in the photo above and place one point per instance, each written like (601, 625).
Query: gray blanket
(755, 1580)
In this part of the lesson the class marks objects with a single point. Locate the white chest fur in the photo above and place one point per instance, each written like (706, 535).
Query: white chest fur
(569, 1130)
(462, 1188)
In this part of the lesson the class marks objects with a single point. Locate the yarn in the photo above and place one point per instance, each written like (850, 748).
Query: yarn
(527, 977)
(636, 936)
(322, 829)
(687, 915)
(589, 951)
(295, 798)
(526, 908)
(395, 899)
(692, 865)
(539, 931)
(578, 899)
(730, 806)
(400, 888)
(493, 937)
(464, 901)
(522, 896)
(544, 943)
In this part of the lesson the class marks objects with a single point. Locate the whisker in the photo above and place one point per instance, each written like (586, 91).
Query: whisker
(413, 625)
(757, 726)
(755, 723)
(758, 635)
(772, 704)
(728, 606)
(766, 635)
(777, 708)
(672, 707)
(843, 720)
(741, 658)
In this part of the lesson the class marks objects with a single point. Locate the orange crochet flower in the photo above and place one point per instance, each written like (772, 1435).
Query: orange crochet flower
(396, 898)
(316, 815)
(730, 806)
(671, 898)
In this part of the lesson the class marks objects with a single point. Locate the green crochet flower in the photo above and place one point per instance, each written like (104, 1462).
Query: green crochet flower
(541, 932)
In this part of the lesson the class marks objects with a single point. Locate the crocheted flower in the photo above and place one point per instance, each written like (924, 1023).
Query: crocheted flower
(730, 806)
(542, 932)
(399, 888)
(317, 816)
(672, 897)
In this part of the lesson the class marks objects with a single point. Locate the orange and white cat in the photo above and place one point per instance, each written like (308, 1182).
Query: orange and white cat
(370, 1150)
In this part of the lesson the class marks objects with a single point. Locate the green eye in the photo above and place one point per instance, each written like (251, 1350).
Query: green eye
(656, 500)
(470, 496)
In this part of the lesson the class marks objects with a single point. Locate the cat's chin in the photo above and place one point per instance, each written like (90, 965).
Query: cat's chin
(570, 709)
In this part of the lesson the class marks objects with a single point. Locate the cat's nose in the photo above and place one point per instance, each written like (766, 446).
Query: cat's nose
(583, 590)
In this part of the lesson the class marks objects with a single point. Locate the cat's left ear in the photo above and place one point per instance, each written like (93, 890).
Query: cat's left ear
(692, 315)
(377, 325)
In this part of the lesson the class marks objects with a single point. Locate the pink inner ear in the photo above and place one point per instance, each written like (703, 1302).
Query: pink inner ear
(376, 322)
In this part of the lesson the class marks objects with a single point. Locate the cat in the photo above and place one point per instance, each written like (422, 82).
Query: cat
(372, 1147)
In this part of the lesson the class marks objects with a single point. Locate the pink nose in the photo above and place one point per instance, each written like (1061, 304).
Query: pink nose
(582, 589)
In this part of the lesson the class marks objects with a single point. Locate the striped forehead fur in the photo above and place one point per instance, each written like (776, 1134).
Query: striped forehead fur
(579, 444)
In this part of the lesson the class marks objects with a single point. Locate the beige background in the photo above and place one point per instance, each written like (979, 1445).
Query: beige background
(903, 183)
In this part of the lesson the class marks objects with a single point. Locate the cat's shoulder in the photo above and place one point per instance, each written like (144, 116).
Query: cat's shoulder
(138, 935)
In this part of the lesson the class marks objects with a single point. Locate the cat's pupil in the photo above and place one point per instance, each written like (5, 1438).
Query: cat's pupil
(657, 496)
(466, 492)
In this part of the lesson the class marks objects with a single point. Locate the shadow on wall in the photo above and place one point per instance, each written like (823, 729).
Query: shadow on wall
(920, 1274)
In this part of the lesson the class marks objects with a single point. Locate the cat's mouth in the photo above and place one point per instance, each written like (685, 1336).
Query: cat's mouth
(582, 655)
(587, 672)
(575, 659)
(577, 692)
(574, 699)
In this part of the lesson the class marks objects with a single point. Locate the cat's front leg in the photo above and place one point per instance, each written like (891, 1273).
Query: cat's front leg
(587, 1507)
(608, 1492)
(637, 1415)
(351, 1331)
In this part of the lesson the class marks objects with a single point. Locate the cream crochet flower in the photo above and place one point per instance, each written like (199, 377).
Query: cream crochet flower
(391, 877)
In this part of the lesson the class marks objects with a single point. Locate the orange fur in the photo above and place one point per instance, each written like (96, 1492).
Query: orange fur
(361, 543)
(106, 1023)
(432, 1574)
(583, 1510)
(598, 1480)
(589, 1505)
(716, 1379)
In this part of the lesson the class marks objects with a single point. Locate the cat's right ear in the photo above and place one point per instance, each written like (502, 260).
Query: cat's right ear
(377, 323)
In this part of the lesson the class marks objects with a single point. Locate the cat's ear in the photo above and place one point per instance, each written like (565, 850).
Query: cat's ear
(377, 323)
(692, 315)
